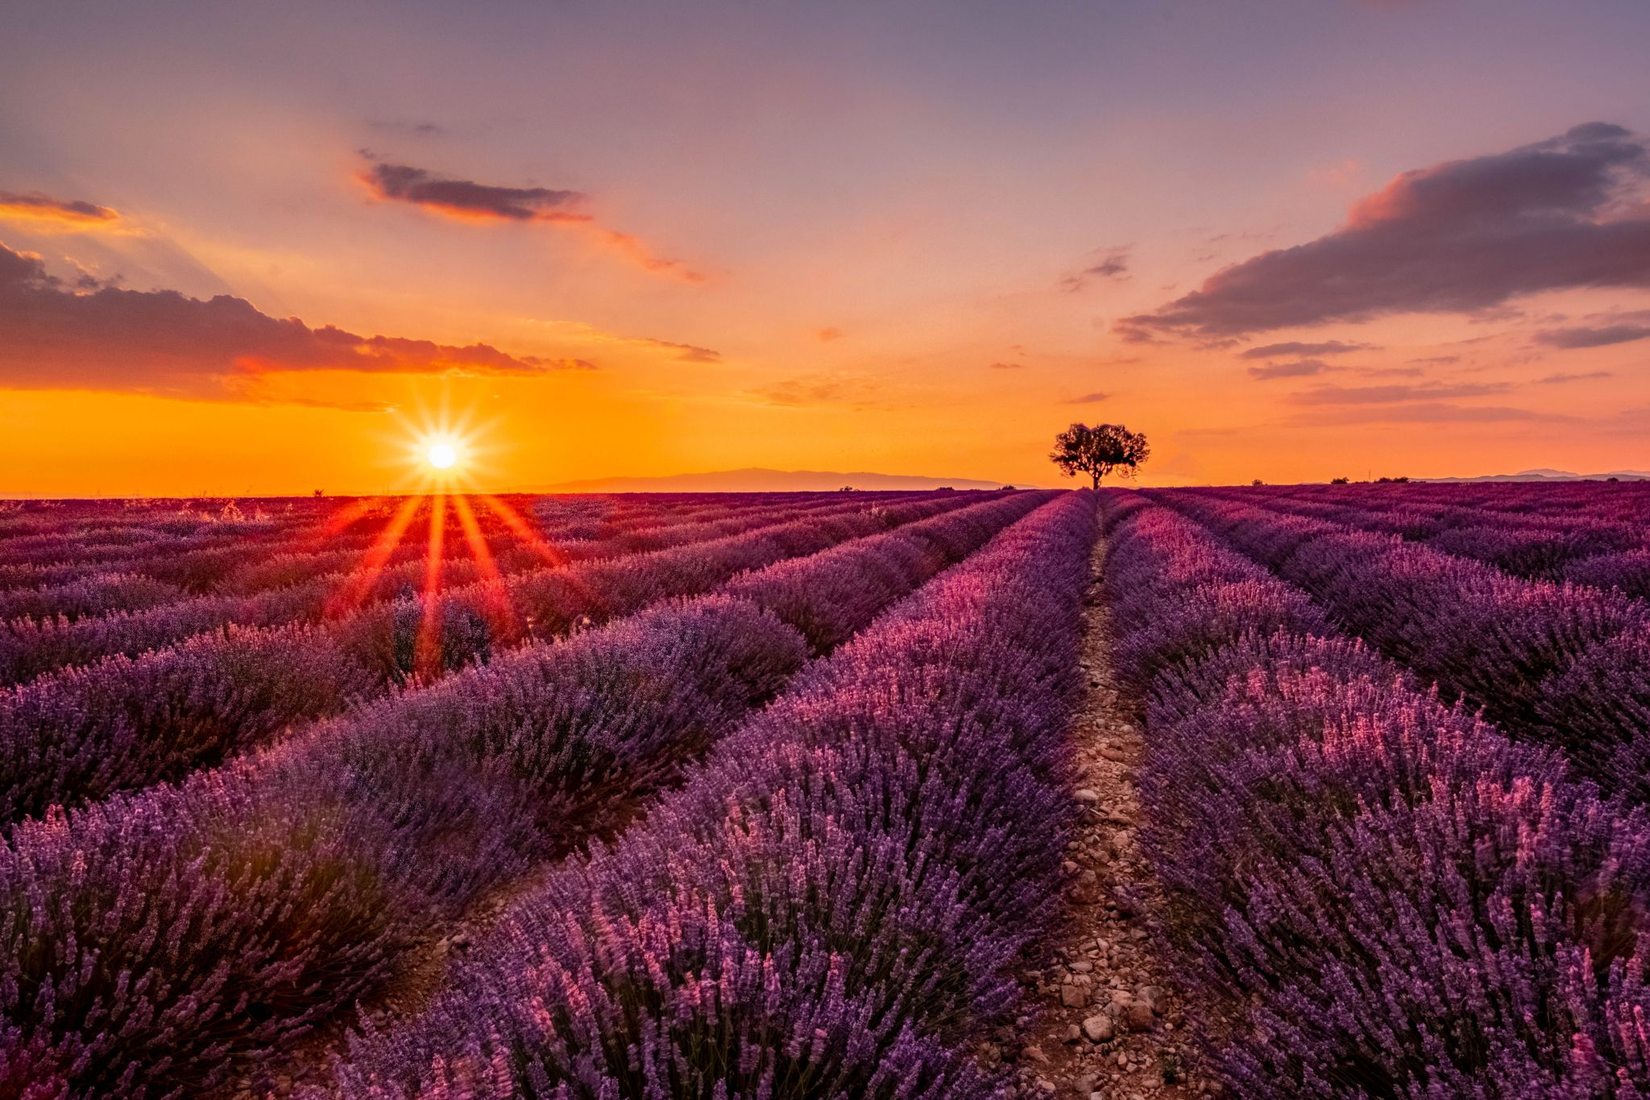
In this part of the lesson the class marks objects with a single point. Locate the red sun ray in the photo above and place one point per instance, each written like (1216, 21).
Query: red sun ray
(363, 579)
(523, 530)
(497, 599)
(342, 519)
(427, 649)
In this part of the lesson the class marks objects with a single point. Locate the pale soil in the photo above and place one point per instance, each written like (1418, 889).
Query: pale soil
(1105, 1020)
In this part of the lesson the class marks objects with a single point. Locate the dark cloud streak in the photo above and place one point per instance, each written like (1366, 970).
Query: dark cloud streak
(1592, 336)
(69, 213)
(80, 336)
(468, 199)
(1297, 347)
(1300, 368)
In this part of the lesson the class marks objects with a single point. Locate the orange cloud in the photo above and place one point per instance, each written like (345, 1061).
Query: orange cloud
(44, 212)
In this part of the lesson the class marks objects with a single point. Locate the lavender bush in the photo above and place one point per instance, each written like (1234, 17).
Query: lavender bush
(1508, 645)
(122, 723)
(1371, 892)
(417, 803)
(830, 904)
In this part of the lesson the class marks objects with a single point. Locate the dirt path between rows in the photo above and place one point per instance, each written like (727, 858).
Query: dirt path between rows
(1104, 1021)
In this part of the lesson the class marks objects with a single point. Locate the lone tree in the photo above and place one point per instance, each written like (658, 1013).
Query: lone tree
(1099, 450)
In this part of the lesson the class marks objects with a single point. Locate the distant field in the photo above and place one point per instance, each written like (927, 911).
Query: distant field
(779, 794)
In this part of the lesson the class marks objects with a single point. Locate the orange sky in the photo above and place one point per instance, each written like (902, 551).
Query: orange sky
(1314, 240)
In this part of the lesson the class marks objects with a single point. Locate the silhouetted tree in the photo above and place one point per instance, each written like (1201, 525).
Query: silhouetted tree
(1099, 450)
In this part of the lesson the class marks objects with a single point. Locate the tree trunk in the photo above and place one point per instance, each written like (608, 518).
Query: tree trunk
(1096, 478)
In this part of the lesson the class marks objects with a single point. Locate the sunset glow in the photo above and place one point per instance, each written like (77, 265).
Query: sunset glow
(1296, 241)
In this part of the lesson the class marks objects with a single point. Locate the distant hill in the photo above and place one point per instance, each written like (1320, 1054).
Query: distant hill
(758, 480)
(1550, 475)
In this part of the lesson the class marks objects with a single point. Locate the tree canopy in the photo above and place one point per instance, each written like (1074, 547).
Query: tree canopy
(1099, 450)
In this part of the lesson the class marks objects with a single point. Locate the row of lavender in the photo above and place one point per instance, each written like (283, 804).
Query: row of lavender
(1554, 664)
(156, 942)
(126, 722)
(397, 539)
(239, 555)
(44, 532)
(30, 647)
(832, 904)
(1369, 892)
(1613, 502)
(1572, 547)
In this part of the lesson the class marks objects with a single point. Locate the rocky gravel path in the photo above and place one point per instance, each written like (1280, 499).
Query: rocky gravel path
(1106, 1023)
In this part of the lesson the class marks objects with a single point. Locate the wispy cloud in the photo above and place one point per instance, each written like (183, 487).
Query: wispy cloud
(1395, 394)
(687, 353)
(1005, 365)
(1108, 263)
(467, 200)
(1461, 237)
(1087, 399)
(1440, 412)
(42, 211)
(460, 198)
(407, 128)
(1574, 376)
(1593, 336)
(1300, 368)
(856, 392)
(1299, 348)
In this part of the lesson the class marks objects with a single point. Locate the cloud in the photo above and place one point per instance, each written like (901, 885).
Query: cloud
(1300, 368)
(83, 335)
(1395, 394)
(1460, 237)
(1087, 399)
(1437, 360)
(856, 392)
(687, 353)
(1439, 412)
(1296, 347)
(405, 127)
(1112, 263)
(466, 200)
(44, 212)
(1001, 365)
(1574, 376)
(1592, 336)
(827, 335)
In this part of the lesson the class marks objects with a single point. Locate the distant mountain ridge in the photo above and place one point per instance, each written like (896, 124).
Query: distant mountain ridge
(1548, 475)
(757, 479)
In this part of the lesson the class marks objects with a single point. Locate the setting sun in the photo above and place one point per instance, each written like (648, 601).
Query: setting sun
(441, 454)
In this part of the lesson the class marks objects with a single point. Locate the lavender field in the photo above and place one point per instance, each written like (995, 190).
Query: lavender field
(1303, 791)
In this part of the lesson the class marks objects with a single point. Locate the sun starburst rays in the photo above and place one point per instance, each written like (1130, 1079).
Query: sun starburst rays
(443, 456)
